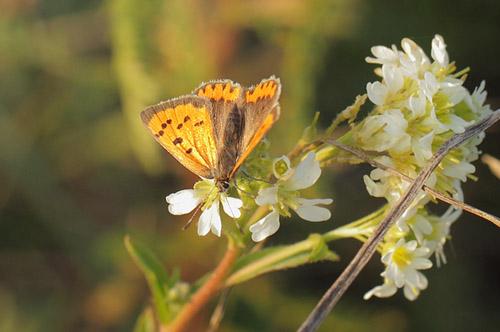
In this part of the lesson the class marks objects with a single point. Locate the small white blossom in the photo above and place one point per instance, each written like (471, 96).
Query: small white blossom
(402, 262)
(436, 240)
(476, 100)
(439, 52)
(285, 195)
(205, 191)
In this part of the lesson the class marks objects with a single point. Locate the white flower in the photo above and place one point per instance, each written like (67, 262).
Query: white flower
(383, 184)
(205, 191)
(285, 195)
(457, 169)
(386, 132)
(281, 167)
(422, 148)
(402, 262)
(438, 52)
(420, 226)
(393, 81)
(414, 60)
(477, 99)
(441, 228)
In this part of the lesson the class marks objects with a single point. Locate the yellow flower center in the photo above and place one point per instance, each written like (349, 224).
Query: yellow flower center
(402, 257)
(281, 167)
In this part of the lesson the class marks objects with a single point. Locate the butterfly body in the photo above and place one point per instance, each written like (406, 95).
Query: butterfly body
(214, 129)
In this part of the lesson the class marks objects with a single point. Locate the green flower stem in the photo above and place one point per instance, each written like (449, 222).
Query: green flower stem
(363, 226)
(272, 259)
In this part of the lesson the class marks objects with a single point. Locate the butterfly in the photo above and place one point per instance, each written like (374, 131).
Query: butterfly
(213, 130)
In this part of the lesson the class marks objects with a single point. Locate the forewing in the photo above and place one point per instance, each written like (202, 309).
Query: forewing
(260, 110)
(183, 126)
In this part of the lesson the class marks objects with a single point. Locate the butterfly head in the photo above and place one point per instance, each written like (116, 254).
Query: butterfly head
(222, 184)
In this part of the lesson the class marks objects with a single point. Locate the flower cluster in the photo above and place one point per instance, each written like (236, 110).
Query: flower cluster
(419, 104)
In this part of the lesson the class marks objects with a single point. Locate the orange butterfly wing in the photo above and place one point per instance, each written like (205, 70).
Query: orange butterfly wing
(184, 128)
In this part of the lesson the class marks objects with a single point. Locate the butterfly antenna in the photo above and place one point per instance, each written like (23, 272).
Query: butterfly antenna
(243, 191)
(192, 217)
(253, 178)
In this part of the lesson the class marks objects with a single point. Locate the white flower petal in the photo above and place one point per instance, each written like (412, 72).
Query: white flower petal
(410, 246)
(383, 55)
(422, 281)
(422, 148)
(438, 52)
(308, 210)
(183, 201)
(429, 85)
(305, 175)
(231, 206)
(415, 54)
(385, 290)
(386, 258)
(410, 292)
(210, 220)
(265, 227)
(394, 121)
(267, 196)
(417, 105)
(374, 189)
(411, 276)
(377, 92)
(420, 263)
(393, 77)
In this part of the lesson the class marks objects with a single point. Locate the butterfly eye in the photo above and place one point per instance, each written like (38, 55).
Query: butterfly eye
(223, 185)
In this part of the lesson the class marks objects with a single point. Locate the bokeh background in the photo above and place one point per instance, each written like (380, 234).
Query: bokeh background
(78, 171)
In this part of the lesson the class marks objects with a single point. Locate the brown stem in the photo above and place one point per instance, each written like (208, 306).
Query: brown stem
(205, 293)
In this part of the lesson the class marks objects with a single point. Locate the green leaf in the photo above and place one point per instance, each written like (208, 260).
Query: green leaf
(279, 258)
(145, 322)
(155, 274)
(320, 249)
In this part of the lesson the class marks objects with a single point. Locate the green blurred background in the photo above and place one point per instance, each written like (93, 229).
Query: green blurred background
(78, 171)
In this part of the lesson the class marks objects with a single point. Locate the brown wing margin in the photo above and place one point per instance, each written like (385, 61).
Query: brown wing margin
(266, 125)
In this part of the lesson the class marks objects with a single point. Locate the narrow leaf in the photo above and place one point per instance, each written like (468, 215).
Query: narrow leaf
(156, 276)
(279, 258)
(145, 322)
